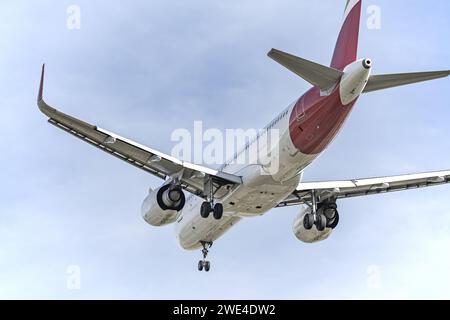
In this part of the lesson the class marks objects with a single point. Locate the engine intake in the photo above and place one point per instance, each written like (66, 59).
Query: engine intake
(171, 197)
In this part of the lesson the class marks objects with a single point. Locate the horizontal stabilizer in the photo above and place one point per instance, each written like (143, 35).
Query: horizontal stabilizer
(380, 82)
(316, 74)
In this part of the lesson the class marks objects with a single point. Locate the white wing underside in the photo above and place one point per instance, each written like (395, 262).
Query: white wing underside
(364, 187)
(192, 177)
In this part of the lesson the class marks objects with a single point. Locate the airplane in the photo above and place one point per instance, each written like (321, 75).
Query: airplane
(219, 198)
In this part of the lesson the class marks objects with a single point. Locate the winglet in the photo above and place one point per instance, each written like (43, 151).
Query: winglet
(45, 108)
(41, 86)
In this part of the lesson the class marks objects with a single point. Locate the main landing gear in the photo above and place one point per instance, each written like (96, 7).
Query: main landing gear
(204, 264)
(323, 215)
(209, 206)
(321, 221)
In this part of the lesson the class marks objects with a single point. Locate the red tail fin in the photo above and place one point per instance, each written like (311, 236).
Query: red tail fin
(346, 49)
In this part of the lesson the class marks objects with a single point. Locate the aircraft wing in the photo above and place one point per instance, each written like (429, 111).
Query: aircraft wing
(191, 176)
(363, 187)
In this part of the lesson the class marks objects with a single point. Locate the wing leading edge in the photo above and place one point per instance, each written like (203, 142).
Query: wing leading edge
(363, 187)
(191, 176)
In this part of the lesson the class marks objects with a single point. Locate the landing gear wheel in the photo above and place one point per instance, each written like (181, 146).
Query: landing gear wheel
(321, 222)
(333, 223)
(218, 211)
(200, 265)
(205, 209)
(308, 221)
(207, 266)
(330, 211)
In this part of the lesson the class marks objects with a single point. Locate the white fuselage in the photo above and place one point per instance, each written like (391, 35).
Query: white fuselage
(259, 193)
(315, 118)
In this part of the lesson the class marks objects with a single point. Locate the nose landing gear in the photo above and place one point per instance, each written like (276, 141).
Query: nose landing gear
(204, 264)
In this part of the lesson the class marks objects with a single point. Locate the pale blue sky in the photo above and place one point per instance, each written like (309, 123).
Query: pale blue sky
(145, 68)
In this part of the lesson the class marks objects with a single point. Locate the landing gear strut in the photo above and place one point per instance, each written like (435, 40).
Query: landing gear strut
(204, 264)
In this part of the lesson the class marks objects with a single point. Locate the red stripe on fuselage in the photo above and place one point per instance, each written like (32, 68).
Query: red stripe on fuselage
(316, 120)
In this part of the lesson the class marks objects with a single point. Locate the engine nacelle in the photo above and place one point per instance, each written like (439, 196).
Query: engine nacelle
(309, 236)
(162, 205)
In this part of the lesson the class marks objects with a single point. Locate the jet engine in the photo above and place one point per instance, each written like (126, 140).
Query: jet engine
(310, 229)
(162, 205)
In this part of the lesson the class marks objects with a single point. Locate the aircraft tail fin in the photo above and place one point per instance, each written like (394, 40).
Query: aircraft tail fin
(346, 49)
(380, 82)
(316, 74)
